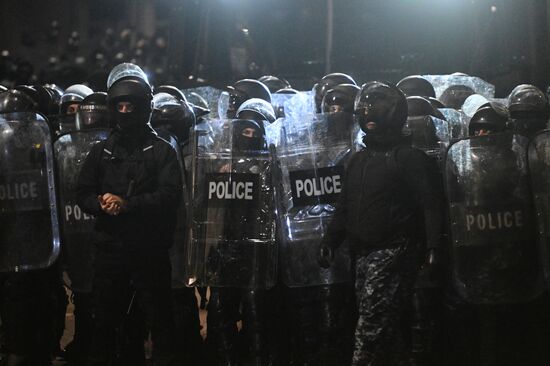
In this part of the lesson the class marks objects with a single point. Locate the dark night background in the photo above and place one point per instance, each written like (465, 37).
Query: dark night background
(185, 42)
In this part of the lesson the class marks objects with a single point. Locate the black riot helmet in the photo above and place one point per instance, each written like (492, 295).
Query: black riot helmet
(287, 91)
(45, 102)
(380, 109)
(256, 110)
(416, 85)
(3, 88)
(56, 93)
(455, 95)
(13, 100)
(529, 110)
(248, 136)
(72, 97)
(243, 90)
(328, 82)
(93, 112)
(129, 98)
(172, 90)
(419, 106)
(341, 98)
(274, 83)
(488, 119)
(198, 104)
(527, 99)
(436, 103)
(173, 115)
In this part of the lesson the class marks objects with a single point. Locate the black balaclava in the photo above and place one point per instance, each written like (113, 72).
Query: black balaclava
(243, 143)
(137, 92)
(381, 112)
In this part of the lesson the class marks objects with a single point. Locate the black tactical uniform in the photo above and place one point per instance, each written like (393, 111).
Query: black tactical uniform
(132, 249)
(390, 194)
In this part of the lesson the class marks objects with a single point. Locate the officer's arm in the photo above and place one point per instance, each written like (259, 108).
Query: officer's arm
(427, 186)
(88, 187)
(336, 232)
(169, 187)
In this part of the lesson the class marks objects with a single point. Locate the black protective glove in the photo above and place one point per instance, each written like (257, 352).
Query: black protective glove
(326, 255)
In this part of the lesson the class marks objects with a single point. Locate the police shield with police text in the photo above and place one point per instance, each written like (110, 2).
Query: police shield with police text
(77, 226)
(312, 160)
(539, 167)
(29, 234)
(493, 250)
(233, 230)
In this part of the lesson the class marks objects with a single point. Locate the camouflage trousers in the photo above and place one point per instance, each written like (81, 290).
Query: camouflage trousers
(383, 287)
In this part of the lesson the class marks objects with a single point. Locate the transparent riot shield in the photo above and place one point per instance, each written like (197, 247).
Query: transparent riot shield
(429, 134)
(232, 233)
(539, 169)
(458, 123)
(178, 249)
(312, 153)
(442, 82)
(77, 227)
(291, 105)
(29, 230)
(210, 94)
(494, 252)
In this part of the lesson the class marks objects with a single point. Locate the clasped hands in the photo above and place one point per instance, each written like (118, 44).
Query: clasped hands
(112, 204)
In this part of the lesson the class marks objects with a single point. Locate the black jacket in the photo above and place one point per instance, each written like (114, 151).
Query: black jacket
(388, 192)
(146, 173)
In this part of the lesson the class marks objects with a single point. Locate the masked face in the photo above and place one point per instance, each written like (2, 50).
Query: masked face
(374, 113)
(248, 137)
(130, 115)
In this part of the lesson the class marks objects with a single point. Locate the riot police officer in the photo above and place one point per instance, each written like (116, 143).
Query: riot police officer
(274, 83)
(529, 110)
(416, 85)
(394, 224)
(328, 82)
(132, 183)
(236, 267)
(240, 92)
(172, 119)
(31, 295)
(489, 119)
(92, 126)
(70, 100)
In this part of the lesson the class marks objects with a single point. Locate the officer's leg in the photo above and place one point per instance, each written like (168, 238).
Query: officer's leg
(384, 281)
(25, 317)
(461, 338)
(151, 273)
(277, 326)
(254, 324)
(304, 322)
(336, 317)
(187, 326)
(77, 350)
(55, 313)
(132, 333)
(110, 290)
(223, 313)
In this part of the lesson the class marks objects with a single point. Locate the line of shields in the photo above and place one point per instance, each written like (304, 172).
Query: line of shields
(256, 215)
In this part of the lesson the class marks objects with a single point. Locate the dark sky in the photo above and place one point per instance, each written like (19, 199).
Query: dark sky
(503, 41)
